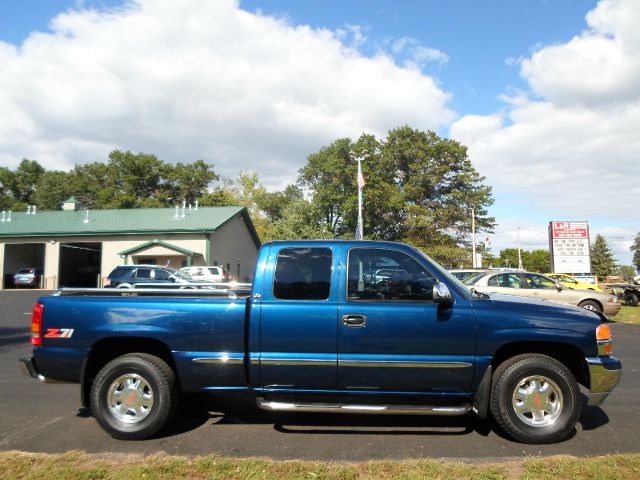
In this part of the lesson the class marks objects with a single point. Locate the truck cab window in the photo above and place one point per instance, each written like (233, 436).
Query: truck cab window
(303, 274)
(378, 274)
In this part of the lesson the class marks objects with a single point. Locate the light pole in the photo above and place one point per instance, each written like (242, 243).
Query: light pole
(519, 254)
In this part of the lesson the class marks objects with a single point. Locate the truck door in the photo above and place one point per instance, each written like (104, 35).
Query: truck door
(298, 317)
(392, 336)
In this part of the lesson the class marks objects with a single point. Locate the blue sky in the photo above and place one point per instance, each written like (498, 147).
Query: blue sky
(542, 91)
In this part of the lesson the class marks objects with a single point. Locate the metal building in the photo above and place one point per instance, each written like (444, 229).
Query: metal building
(79, 248)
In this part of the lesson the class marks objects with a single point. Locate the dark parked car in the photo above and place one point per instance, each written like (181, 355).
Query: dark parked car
(131, 276)
(27, 277)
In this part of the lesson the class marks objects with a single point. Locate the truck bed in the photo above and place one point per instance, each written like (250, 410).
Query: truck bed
(195, 325)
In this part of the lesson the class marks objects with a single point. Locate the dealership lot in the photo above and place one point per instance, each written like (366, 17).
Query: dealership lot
(47, 418)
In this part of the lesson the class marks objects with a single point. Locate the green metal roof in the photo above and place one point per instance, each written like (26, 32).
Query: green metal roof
(128, 221)
(158, 243)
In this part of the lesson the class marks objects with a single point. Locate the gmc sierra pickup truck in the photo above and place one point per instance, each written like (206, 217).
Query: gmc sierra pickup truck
(328, 326)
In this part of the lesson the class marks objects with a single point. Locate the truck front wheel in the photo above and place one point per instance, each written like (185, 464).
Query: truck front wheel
(535, 399)
(134, 396)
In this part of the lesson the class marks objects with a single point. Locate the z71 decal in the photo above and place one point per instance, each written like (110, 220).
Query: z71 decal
(59, 333)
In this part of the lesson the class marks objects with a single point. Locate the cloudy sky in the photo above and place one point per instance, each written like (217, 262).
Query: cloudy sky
(546, 94)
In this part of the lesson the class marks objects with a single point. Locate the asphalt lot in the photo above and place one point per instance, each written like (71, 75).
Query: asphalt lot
(38, 417)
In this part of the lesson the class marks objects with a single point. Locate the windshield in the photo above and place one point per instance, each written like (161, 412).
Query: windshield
(181, 275)
(474, 278)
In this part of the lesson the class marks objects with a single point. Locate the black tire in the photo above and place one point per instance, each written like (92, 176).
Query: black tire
(147, 408)
(631, 300)
(556, 418)
(590, 305)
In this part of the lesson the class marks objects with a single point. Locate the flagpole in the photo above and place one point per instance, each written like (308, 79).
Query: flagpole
(474, 262)
(360, 183)
(360, 223)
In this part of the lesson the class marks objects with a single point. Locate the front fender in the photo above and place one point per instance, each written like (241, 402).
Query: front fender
(492, 341)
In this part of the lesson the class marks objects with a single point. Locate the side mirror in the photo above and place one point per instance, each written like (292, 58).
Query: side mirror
(442, 294)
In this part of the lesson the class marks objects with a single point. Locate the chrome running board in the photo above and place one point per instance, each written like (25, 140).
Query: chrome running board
(368, 409)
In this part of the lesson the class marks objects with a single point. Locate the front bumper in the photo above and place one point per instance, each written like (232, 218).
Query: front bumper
(604, 373)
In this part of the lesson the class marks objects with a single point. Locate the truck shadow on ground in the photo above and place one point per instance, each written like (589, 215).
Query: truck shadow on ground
(196, 411)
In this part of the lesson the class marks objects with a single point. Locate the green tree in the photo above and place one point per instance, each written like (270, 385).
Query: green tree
(635, 248)
(439, 186)
(627, 272)
(532, 261)
(6, 195)
(299, 220)
(274, 204)
(140, 180)
(17, 187)
(420, 189)
(53, 188)
(538, 261)
(602, 261)
(187, 182)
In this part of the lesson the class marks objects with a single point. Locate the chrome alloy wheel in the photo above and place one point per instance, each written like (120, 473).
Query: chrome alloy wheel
(590, 307)
(130, 398)
(537, 401)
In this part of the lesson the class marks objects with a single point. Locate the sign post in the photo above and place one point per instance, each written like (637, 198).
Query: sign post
(569, 246)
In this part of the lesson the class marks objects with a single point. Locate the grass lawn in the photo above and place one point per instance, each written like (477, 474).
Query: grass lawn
(76, 465)
(628, 315)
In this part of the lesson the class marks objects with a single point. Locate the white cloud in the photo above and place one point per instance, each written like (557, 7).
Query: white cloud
(416, 54)
(572, 145)
(198, 79)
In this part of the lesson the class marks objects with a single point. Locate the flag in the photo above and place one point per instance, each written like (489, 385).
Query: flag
(488, 241)
(361, 182)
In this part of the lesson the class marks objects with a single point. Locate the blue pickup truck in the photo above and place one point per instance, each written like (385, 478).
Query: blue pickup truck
(328, 326)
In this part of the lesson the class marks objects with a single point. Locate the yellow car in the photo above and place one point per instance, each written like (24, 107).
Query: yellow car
(572, 282)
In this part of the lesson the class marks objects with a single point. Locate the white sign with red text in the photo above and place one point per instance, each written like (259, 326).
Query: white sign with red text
(569, 243)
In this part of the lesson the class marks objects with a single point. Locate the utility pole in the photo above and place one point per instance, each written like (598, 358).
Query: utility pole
(519, 254)
(474, 263)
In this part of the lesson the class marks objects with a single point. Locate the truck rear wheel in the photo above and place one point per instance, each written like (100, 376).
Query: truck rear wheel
(535, 399)
(134, 396)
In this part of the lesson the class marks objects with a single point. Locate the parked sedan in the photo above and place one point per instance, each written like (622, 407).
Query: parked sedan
(27, 277)
(465, 274)
(538, 286)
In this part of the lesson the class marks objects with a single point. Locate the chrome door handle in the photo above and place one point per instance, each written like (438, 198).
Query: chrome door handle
(354, 320)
